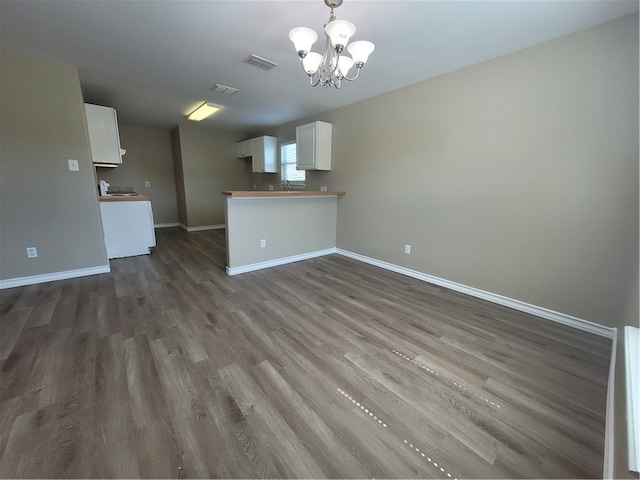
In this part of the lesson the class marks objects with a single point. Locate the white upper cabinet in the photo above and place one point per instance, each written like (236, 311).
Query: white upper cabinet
(264, 156)
(263, 152)
(104, 137)
(243, 149)
(313, 146)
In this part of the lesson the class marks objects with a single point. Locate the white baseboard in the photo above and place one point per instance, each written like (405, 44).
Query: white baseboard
(491, 297)
(609, 419)
(201, 227)
(279, 261)
(166, 225)
(52, 277)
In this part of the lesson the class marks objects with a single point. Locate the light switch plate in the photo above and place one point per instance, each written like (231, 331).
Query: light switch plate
(73, 165)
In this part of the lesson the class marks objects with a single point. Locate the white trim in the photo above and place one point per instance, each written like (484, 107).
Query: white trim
(279, 261)
(201, 228)
(609, 419)
(52, 277)
(281, 194)
(166, 225)
(491, 297)
(632, 374)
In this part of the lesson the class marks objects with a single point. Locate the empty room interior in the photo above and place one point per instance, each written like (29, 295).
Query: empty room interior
(319, 239)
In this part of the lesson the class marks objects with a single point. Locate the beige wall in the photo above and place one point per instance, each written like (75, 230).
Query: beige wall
(252, 219)
(518, 176)
(42, 203)
(179, 176)
(205, 166)
(149, 157)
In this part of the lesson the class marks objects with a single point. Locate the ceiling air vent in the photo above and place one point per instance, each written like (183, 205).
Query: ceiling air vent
(260, 62)
(224, 89)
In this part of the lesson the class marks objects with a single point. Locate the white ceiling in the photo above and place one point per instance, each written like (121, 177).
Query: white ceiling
(155, 61)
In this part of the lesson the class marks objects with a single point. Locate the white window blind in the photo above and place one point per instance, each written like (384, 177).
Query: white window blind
(288, 172)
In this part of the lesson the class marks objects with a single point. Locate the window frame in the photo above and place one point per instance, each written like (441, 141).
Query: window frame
(299, 179)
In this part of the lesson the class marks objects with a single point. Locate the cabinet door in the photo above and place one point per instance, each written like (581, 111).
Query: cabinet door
(264, 154)
(270, 154)
(239, 150)
(128, 228)
(104, 138)
(243, 149)
(257, 154)
(314, 146)
(306, 147)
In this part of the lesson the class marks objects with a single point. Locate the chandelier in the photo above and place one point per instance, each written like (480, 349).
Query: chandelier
(330, 68)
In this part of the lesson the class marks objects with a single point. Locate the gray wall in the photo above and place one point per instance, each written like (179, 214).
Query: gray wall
(518, 176)
(205, 166)
(149, 157)
(42, 203)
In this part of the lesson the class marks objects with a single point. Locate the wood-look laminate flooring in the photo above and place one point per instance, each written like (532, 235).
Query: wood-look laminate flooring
(324, 368)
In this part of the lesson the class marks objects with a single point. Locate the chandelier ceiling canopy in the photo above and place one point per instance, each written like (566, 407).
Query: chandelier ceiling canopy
(331, 67)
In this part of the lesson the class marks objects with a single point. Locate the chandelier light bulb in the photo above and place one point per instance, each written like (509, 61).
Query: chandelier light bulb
(340, 31)
(311, 63)
(360, 51)
(344, 64)
(303, 39)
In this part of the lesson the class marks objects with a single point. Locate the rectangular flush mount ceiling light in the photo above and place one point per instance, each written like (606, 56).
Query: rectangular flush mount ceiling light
(203, 111)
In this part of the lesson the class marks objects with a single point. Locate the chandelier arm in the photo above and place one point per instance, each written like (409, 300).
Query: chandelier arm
(312, 83)
(335, 57)
(302, 66)
(353, 78)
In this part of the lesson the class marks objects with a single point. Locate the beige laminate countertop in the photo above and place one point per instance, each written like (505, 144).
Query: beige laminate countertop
(278, 193)
(124, 198)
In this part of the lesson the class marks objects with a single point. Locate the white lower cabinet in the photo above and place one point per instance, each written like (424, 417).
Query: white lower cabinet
(128, 228)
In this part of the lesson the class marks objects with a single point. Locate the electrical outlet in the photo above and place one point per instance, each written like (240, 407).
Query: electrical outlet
(32, 252)
(147, 183)
(407, 249)
(73, 165)
(270, 188)
(263, 243)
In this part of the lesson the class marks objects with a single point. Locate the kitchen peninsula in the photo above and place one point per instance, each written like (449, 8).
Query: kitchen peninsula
(265, 229)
